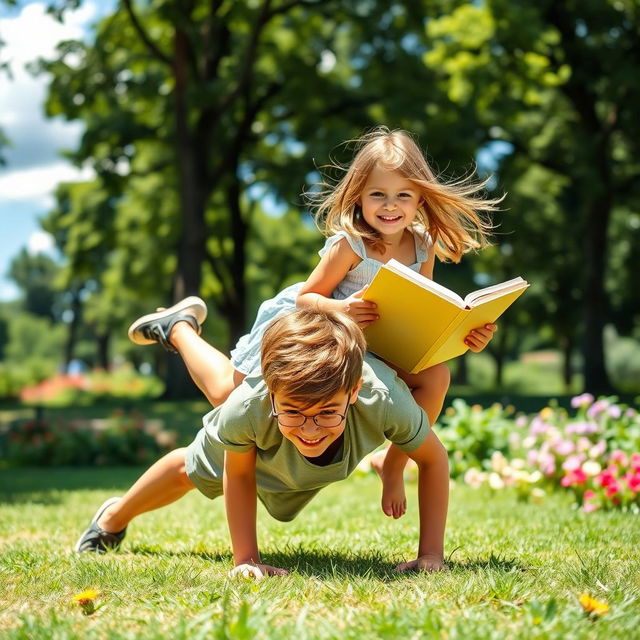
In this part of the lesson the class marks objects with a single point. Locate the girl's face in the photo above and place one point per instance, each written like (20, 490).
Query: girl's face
(389, 202)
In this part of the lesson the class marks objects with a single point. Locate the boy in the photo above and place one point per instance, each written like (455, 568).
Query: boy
(317, 409)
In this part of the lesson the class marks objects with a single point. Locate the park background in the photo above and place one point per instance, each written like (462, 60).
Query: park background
(199, 125)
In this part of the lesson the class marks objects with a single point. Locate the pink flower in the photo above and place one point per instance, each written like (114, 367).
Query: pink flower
(633, 481)
(564, 447)
(614, 411)
(589, 494)
(619, 457)
(538, 427)
(597, 408)
(590, 507)
(574, 477)
(606, 477)
(583, 400)
(612, 489)
(635, 461)
(573, 462)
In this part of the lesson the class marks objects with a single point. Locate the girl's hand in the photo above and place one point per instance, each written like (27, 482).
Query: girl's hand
(256, 570)
(479, 338)
(427, 562)
(362, 311)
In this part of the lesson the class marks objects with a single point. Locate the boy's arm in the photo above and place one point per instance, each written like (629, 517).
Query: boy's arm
(240, 498)
(433, 497)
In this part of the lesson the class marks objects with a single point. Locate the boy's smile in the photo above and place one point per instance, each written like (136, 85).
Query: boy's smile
(309, 438)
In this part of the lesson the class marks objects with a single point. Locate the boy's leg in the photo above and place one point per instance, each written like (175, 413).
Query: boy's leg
(429, 389)
(177, 328)
(209, 368)
(163, 483)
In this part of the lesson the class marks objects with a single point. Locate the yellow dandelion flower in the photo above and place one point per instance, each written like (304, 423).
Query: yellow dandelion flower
(546, 413)
(86, 600)
(592, 606)
(88, 595)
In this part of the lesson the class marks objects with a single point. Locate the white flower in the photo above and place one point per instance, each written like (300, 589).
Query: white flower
(537, 495)
(535, 476)
(498, 461)
(495, 481)
(592, 468)
(474, 477)
(518, 463)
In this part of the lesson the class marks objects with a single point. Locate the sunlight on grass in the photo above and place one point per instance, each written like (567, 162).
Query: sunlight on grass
(516, 569)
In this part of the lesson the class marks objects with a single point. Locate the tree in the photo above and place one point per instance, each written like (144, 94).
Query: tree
(35, 275)
(557, 82)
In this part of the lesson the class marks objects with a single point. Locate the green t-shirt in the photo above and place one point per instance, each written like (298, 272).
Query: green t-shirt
(285, 479)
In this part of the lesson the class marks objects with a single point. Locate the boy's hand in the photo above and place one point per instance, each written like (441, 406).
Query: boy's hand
(427, 562)
(362, 311)
(479, 338)
(256, 570)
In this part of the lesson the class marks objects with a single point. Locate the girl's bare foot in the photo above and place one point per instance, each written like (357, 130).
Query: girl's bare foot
(394, 501)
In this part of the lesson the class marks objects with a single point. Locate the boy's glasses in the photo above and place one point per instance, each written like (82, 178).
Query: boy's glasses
(294, 419)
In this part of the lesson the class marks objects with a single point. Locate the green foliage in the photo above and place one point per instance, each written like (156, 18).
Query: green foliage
(472, 434)
(32, 351)
(119, 439)
(623, 361)
(35, 276)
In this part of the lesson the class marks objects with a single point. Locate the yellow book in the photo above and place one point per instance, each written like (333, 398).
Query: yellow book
(422, 323)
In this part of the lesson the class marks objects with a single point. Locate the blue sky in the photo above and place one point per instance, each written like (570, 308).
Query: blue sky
(34, 165)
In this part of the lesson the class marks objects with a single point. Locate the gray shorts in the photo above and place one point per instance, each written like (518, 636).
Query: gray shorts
(204, 464)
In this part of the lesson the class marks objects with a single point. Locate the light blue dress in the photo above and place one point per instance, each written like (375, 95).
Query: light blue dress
(246, 355)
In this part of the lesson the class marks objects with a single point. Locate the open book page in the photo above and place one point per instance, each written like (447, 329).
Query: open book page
(481, 296)
(426, 283)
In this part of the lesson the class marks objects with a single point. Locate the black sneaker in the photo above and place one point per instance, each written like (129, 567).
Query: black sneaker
(96, 539)
(156, 327)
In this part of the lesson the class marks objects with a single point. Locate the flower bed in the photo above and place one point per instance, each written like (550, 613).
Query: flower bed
(121, 439)
(594, 452)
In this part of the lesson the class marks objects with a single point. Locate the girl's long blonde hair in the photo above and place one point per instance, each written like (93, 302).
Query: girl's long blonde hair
(451, 211)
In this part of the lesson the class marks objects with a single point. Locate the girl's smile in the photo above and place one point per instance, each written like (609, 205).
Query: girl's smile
(389, 202)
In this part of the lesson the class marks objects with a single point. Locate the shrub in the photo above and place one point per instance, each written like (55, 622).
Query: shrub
(121, 439)
(83, 389)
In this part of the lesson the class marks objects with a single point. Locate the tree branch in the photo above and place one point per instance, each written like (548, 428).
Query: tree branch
(151, 46)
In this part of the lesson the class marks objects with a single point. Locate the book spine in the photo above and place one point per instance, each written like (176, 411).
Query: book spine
(444, 336)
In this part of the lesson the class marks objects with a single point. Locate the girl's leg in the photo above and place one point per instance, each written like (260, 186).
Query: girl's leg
(429, 388)
(209, 368)
(163, 483)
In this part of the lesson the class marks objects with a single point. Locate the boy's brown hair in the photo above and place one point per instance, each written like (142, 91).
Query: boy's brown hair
(311, 355)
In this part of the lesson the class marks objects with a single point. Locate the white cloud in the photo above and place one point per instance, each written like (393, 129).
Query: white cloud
(38, 183)
(34, 166)
(29, 35)
(40, 242)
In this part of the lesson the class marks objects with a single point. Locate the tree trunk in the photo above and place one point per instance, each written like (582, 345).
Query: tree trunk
(74, 326)
(191, 246)
(103, 341)
(596, 379)
(461, 376)
(192, 172)
(499, 353)
(237, 313)
(566, 346)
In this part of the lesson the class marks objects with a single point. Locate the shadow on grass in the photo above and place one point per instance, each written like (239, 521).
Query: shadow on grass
(330, 564)
(42, 485)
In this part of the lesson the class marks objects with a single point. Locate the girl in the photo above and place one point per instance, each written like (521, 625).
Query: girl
(389, 204)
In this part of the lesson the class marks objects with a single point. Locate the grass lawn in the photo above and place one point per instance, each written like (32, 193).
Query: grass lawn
(517, 569)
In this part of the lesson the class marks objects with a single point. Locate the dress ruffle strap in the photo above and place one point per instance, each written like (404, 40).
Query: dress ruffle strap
(355, 243)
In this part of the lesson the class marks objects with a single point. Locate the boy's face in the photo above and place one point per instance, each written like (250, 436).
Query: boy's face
(312, 439)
